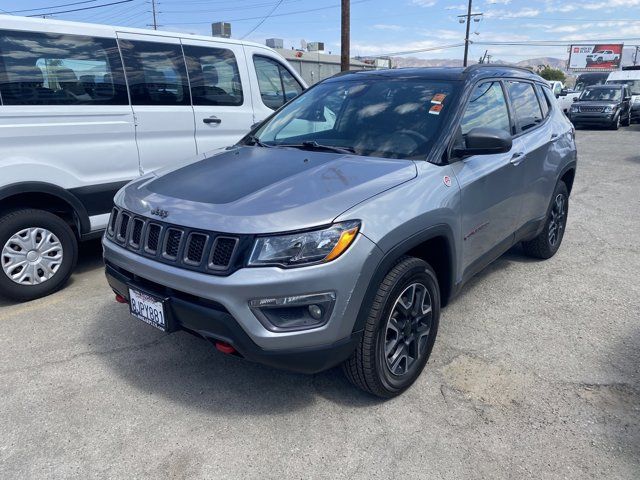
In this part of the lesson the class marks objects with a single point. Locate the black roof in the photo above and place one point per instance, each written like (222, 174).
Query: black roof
(450, 73)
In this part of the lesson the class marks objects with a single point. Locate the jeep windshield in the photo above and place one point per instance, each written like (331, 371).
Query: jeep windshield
(613, 94)
(372, 115)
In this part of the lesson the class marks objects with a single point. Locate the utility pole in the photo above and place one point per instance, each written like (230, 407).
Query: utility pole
(345, 41)
(467, 18)
(153, 11)
(635, 56)
(466, 37)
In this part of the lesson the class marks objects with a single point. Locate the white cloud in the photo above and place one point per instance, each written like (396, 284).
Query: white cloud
(498, 2)
(384, 26)
(561, 8)
(460, 7)
(522, 13)
(423, 3)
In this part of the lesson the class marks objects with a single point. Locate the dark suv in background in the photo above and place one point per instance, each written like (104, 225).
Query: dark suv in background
(336, 230)
(602, 105)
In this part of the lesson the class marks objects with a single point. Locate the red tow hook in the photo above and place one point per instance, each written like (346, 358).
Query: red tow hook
(224, 347)
(120, 298)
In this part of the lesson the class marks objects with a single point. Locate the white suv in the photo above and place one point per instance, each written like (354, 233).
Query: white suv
(86, 108)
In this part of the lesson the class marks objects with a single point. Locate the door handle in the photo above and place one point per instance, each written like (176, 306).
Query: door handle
(212, 119)
(517, 158)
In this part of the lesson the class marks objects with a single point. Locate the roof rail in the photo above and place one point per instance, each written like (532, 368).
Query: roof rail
(478, 66)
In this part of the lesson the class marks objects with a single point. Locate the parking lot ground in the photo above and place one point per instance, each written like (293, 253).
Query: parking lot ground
(535, 374)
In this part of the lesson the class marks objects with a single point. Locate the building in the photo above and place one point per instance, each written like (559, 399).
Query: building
(314, 66)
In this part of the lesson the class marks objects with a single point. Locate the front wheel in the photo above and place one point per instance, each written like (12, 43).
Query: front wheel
(38, 252)
(627, 121)
(400, 330)
(615, 125)
(547, 243)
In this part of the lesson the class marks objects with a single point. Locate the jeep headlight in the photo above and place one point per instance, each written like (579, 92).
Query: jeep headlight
(636, 100)
(609, 109)
(574, 109)
(304, 248)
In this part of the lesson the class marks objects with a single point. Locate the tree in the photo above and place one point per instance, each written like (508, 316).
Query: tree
(549, 73)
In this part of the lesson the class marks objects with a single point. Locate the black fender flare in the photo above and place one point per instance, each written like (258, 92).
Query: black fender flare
(21, 188)
(391, 256)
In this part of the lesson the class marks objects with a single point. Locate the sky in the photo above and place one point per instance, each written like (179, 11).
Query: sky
(378, 27)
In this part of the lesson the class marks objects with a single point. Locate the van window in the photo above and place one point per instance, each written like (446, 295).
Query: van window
(525, 105)
(156, 73)
(487, 108)
(52, 69)
(277, 85)
(214, 76)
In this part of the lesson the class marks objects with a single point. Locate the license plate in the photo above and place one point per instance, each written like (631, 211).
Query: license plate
(147, 308)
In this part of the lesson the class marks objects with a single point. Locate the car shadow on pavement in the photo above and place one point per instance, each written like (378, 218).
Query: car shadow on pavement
(187, 369)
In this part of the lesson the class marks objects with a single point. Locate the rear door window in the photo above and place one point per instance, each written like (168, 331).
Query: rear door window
(487, 107)
(53, 69)
(526, 107)
(214, 76)
(277, 85)
(544, 100)
(156, 73)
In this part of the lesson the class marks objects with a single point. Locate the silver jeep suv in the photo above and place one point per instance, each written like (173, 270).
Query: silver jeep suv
(336, 230)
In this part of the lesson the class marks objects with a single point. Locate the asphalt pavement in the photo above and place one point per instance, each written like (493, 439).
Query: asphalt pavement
(535, 374)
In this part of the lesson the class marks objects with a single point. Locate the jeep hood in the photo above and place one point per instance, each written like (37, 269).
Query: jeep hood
(264, 190)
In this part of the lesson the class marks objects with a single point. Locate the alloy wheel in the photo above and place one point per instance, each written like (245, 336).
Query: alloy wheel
(407, 329)
(557, 219)
(32, 256)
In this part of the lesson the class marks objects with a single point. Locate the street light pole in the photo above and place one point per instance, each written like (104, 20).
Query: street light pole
(466, 38)
(345, 53)
(153, 9)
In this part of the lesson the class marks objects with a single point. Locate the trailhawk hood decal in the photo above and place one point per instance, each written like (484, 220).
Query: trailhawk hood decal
(264, 190)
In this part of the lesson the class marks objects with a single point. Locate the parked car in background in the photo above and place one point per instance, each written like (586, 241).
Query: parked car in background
(602, 105)
(567, 97)
(631, 78)
(86, 108)
(305, 251)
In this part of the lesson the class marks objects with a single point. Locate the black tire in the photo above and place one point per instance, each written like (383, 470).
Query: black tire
(542, 246)
(13, 222)
(627, 122)
(368, 367)
(615, 125)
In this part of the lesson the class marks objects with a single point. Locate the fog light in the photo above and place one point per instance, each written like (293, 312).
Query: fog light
(315, 311)
(296, 312)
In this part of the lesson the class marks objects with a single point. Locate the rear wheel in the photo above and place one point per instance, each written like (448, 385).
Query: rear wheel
(547, 243)
(400, 331)
(627, 121)
(38, 252)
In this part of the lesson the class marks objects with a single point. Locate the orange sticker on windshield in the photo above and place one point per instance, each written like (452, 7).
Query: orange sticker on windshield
(435, 109)
(438, 98)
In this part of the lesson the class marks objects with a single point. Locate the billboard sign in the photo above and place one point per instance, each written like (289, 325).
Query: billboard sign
(602, 57)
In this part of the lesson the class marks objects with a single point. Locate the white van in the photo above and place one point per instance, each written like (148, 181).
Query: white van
(630, 77)
(86, 108)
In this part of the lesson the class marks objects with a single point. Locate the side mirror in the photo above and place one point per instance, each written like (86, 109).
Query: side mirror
(626, 99)
(484, 141)
(564, 92)
(575, 99)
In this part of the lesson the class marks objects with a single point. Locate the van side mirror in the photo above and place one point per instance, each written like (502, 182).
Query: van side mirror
(484, 141)
(563, 92)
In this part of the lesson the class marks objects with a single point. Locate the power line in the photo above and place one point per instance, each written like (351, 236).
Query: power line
(263, 20)
(275, 15)
(79, 9)
(51, 6)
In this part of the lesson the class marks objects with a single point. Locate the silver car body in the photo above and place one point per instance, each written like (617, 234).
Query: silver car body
(479, 206)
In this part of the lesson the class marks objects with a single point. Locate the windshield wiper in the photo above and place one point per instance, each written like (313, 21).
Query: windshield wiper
(313, 145)
(253, 140)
